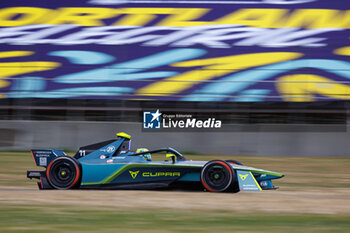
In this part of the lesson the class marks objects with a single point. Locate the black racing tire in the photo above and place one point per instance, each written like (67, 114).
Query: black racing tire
(64, 172)
(218, 176)
(234, 162)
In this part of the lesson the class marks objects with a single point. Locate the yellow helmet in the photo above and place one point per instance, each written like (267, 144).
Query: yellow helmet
(147, 156)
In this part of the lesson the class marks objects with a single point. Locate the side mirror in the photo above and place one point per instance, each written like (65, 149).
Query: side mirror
(172, 156)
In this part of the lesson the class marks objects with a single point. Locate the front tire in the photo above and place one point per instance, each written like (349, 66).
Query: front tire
(64, 172)
(218, 176)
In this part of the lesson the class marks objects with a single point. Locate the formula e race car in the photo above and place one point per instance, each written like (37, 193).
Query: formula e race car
(111, 165)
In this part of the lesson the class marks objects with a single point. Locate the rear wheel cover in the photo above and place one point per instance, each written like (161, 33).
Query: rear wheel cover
(217, 176)
(63, 172)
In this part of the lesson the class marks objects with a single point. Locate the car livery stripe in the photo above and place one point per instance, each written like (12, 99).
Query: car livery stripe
(262, 172)
(34, 159)
(129, 166)
(256, 170)
(256, 182)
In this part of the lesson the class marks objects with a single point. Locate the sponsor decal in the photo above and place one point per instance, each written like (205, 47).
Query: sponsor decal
(34, 174)
(263, 183)
(110, 161)
(248, 187)
(110, 149)
(247, 181)
(43, 161)
(134, 174)
(156, 174)
(42, 153)
(102, 157)
(243, 177)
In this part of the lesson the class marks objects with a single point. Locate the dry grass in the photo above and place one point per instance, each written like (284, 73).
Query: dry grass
(315, 191)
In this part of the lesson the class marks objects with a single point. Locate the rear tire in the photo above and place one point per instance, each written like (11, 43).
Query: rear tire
(64, 173)
(218, 176)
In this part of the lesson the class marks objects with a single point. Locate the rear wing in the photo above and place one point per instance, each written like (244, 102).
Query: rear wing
(43, 157)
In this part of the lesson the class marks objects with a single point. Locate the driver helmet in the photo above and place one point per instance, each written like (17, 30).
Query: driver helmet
(147, 156)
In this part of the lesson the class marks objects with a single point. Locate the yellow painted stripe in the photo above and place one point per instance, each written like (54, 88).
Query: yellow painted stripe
(255, 181)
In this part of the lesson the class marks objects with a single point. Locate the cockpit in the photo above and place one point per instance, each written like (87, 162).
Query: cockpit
(118, 151)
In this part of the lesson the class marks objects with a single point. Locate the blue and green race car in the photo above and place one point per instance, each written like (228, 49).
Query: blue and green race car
(111, 165)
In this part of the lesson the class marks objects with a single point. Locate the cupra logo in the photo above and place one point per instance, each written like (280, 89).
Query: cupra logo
(243, 177)
(134, 174)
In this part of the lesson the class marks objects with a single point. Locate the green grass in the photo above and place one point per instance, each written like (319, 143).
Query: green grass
(27, 218)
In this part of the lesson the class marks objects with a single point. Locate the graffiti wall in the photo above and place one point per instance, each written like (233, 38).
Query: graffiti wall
(217, 50)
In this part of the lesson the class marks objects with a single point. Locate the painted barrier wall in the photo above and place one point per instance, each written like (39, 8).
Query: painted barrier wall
(25, 135)
(218, 50)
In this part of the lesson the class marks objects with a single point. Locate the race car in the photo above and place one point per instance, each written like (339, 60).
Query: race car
(111, 165)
